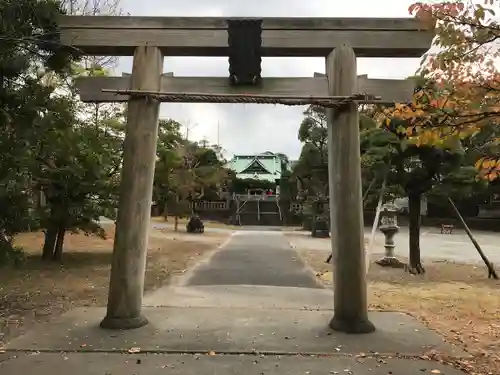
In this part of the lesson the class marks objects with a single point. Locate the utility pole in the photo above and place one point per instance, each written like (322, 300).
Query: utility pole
(218, 133)
(188, 128)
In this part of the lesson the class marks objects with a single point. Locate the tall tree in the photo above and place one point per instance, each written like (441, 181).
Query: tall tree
(29, 41)
(464, 68)
(312, 167)
(199, 171)
(79, 176)
(78, 165)
(415, 167)
(53, 148)
(185, 171)
(168, 160)
(95, 140)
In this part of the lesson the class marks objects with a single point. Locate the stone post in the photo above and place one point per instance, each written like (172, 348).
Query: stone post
(389, 227)
(131, 239)
(346, 210)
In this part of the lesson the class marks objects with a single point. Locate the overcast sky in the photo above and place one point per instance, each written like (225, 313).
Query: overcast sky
(246, 128)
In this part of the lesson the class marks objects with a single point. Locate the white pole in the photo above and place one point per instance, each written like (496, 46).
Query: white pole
(368, 251)
(218, 133)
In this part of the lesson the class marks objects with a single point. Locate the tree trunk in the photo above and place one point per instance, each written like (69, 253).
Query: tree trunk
(61, 231)
(50, 242)
(414, 202)
(176, 221)
(5, 242)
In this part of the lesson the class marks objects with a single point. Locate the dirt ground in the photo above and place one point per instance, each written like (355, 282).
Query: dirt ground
(39, 291)
(184, 220)
(457, 300)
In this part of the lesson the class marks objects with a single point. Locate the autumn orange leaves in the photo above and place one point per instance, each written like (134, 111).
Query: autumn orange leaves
(489, 168)
(459, 95)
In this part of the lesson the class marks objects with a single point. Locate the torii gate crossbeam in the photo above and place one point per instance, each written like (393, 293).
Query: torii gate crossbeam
(285, 37)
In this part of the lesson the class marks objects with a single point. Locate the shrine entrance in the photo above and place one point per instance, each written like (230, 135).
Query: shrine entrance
(245, 42)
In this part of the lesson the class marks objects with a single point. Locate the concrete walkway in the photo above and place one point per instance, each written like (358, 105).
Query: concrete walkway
(255, 258)
(250, 308)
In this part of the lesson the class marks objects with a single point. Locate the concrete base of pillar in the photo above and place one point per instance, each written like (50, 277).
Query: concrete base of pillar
(351, 326)
(123, 323)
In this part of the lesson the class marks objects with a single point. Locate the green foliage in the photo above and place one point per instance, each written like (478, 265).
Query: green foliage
(60, 167)
(311, 169)
(78, 160)
(459, 184)
(168, 160)
(415, 168)
(80, 178)
(29, 41)
(412, 169)
(185, 171)
(16, 216)
(30, 35)
(288, 186)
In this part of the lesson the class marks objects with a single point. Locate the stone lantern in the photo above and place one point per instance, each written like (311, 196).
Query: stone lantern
(389, 227)
(321, 220)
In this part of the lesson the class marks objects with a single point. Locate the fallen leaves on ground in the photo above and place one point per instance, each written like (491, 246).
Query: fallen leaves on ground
(456, 300)
(38, 291)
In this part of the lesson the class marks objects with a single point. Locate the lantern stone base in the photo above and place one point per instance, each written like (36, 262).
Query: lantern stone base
(391, 262)
(320, 227)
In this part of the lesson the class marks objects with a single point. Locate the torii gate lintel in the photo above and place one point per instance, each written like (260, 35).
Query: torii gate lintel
(390, 90)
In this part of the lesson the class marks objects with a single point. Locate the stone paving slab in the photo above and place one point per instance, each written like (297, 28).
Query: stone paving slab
(155, 364)
(233, 330)
(250, 296)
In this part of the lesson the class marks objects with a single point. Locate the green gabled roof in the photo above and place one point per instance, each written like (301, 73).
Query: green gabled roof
(255, 166)
(267, 166)
(241, 162)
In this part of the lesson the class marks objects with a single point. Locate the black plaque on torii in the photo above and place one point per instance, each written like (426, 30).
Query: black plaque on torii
(245, 51)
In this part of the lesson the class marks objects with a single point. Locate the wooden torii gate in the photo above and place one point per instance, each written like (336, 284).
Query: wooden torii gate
(149, 39)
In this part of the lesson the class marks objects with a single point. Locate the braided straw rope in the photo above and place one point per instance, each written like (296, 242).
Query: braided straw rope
(323, 101)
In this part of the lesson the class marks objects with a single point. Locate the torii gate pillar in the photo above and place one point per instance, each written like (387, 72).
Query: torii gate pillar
(131, 239)
(346, 211)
